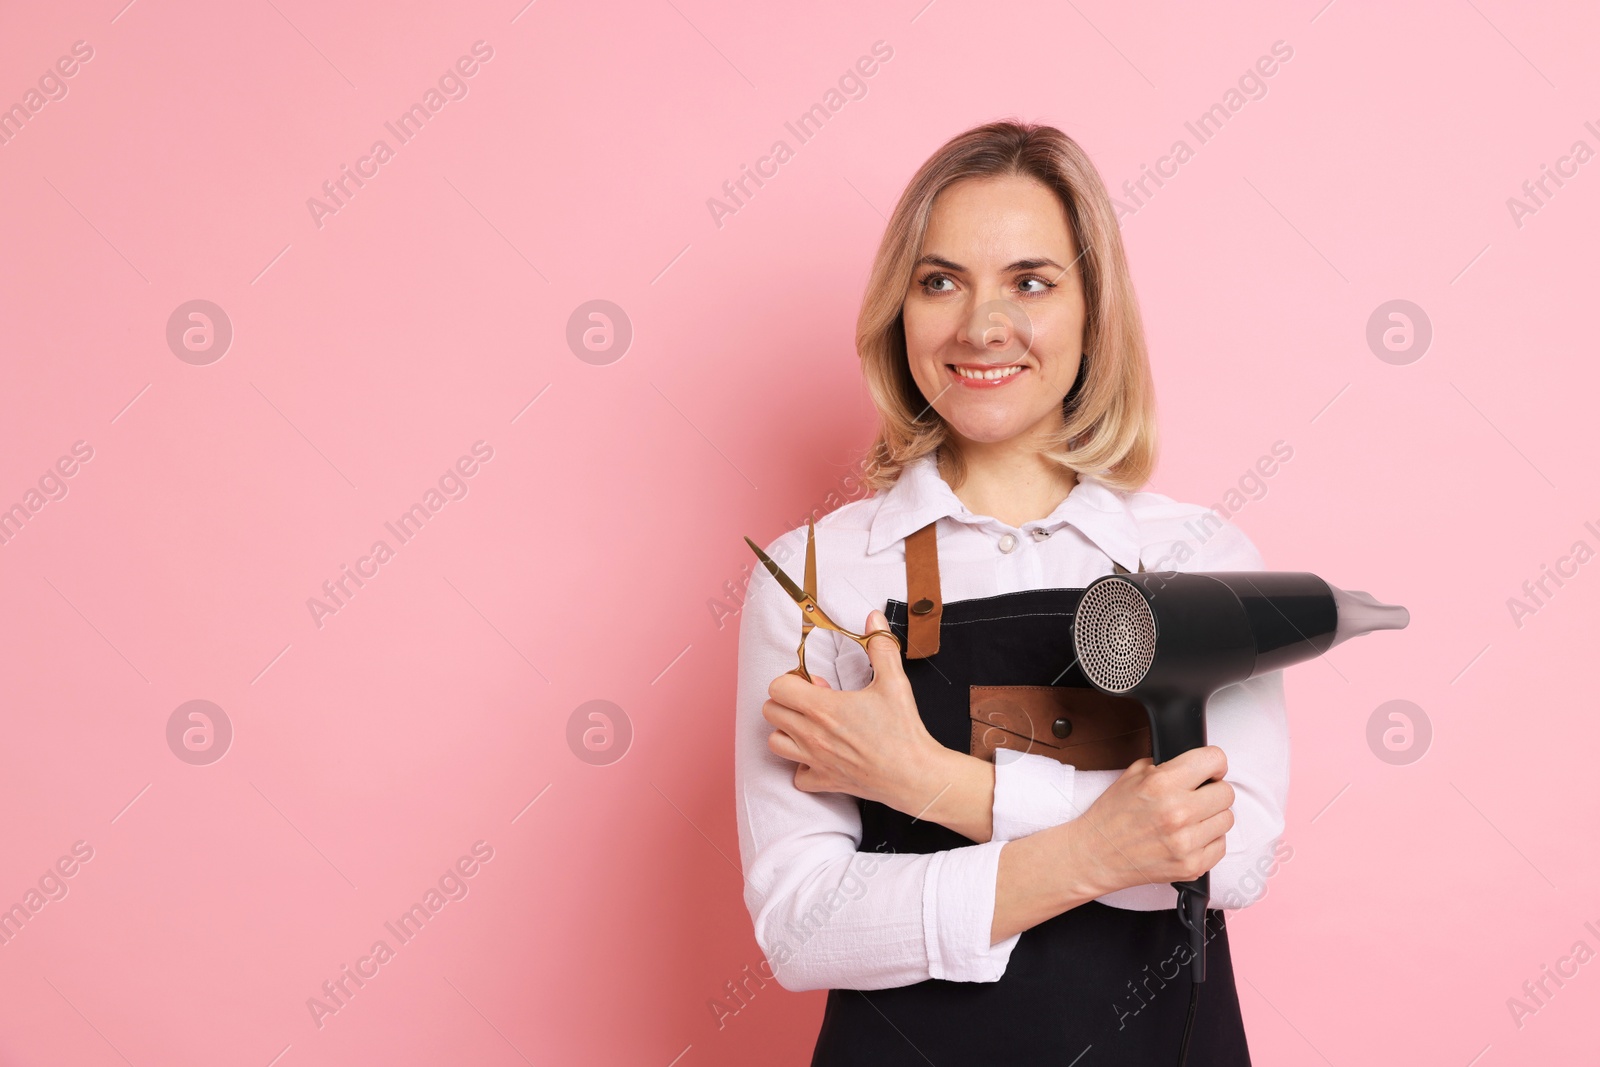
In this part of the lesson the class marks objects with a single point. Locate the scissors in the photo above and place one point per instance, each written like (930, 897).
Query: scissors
(812, 613)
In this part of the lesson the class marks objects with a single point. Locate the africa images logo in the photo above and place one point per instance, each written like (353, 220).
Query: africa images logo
(451, 85)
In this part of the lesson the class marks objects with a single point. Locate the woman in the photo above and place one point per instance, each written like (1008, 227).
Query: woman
(963, 903)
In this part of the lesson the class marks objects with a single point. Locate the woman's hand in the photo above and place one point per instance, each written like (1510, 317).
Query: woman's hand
(1157, 823)
(1152, 825)
(869, 742)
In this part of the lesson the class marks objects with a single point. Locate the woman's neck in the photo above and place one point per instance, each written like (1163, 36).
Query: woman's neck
(1010, 481)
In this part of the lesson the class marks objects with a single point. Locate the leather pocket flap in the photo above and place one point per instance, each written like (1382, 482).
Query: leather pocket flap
(1071, 724)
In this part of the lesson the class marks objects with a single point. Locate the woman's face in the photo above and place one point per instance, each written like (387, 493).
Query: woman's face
(998, 285)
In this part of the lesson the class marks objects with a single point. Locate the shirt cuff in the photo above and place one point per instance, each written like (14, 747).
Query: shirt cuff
(958, 915)
(1032, 792)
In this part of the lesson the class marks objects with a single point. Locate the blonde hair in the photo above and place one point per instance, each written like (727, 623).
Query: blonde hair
(1109, 426)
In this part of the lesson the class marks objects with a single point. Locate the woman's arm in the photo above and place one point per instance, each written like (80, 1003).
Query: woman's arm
(1153, 825)
(830, 916)
(825, 914)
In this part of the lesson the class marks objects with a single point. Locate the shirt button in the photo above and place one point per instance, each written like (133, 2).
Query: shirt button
(1040, 533)
(1008, 542)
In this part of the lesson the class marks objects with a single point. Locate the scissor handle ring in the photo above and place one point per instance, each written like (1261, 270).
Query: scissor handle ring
(862, 640)
(886, 633)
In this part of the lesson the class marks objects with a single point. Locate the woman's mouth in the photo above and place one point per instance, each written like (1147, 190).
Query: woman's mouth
(989, 378)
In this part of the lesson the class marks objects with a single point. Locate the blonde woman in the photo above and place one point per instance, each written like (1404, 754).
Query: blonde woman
(977, 894)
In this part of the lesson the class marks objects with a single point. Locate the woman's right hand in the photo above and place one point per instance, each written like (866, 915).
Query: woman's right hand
(1156, 823)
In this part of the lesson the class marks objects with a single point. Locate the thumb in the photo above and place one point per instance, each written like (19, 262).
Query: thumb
(882, 653)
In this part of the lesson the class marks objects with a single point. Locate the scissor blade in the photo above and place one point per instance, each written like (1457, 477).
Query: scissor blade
(811, 573)
(784, 580)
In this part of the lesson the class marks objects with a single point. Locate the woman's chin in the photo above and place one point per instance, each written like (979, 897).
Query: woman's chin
(988, 431)
(996, 426)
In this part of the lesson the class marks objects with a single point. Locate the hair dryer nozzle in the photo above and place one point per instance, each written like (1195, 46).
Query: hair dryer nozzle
(1361, 613)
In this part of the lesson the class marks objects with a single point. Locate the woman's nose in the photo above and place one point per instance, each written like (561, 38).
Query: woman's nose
(998, 325)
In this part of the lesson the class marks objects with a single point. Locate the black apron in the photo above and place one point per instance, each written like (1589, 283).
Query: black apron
(1093, 985)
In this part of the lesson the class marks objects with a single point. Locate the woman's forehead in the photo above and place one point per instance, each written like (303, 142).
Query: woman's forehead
(989, 223)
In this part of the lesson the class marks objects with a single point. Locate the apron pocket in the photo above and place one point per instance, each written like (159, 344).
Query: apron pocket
(1088, 729)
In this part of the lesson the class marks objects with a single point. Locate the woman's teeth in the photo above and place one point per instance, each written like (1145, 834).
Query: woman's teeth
(1005, 372)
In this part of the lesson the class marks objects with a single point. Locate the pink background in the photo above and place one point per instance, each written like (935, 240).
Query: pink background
(431, 312)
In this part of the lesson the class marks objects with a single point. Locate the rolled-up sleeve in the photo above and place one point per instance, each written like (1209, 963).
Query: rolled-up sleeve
(826, 914)
(1032, 792)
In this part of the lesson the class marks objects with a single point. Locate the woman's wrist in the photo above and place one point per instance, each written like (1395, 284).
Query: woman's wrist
(1042, 875)
(1075, 855)
(956, 790)
(952, 789)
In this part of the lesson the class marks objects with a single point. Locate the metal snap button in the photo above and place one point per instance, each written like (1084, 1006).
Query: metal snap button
(922, 607)
(1061, 727)
(1040, 533)
(1008, 542)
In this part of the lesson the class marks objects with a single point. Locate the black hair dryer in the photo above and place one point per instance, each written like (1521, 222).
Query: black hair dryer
(1170, 639)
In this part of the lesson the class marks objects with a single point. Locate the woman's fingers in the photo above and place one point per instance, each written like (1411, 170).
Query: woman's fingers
(1168, 821)
(783, 717)
(1210, 831)
(1197, 766)
(1140, 764)
(870, 742)
(1203, 845)
(781, 744)
(788, 725)
(1203, 859)
(789, 688)
(1211, 798)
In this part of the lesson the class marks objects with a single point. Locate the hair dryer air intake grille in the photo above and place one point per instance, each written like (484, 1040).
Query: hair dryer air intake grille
(1115, 635)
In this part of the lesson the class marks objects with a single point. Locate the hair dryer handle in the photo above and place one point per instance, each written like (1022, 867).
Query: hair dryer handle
(1178, 724)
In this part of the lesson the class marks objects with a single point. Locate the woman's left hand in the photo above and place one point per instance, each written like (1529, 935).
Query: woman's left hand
(869, 742)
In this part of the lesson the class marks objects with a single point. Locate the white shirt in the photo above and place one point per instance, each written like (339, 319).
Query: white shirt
(850, 920)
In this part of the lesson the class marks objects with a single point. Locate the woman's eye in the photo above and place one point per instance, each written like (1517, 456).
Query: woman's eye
(931, 284)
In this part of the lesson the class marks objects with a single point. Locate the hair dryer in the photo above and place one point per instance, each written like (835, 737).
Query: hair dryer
(1170, 639)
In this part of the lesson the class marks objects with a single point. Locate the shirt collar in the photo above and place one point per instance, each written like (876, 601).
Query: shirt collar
(921, 496)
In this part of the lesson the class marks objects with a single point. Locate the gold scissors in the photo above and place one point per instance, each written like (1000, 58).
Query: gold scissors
(812, 613)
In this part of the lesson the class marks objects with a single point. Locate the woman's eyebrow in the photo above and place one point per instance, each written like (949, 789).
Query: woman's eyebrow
(1021, 264)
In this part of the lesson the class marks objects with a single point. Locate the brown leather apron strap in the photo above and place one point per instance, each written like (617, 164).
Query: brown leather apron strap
(922, 593)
